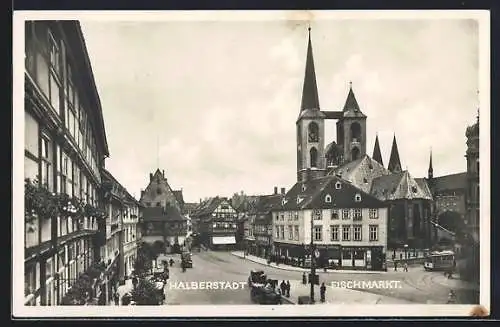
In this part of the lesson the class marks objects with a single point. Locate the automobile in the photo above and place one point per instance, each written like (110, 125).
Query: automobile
(186, 259)
(262, 289)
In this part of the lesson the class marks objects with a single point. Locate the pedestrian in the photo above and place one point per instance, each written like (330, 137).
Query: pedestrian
(406, 266)
(395, 266)
(287, 288)
(304, 278)
(283, 287)
(322, 291)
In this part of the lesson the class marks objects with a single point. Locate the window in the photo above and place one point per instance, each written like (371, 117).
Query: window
(328, 198)
(303, 188)
(290, 232)
(313, 153)
(357, 198)
(338, 186)
(64, 173)
(296, 233)
(318, 233)
(477, 166)
(345, 214)
(296, 215)
(357, 214)
(282, 232)
(313, 132)
(335, 214)
(46, 159)
(277, 232)
(357, 233)
(373, 232)
(346, 232)
(317, 214)
(282, 217)
(373, 213)
(334, 233)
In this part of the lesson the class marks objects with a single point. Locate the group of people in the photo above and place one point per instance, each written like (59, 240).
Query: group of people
(285, 288)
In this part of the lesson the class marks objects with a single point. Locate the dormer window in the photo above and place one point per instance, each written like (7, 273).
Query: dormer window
(338, 186)
(328, 198)
(414, 189)
(283, 202)
(303, 188)
(357, 198)
(299, 199)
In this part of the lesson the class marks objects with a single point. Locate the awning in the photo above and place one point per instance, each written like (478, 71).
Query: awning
(223, 240)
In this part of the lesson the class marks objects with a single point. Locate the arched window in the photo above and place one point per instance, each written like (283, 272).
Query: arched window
(313, 132)
(314, 157)
(356, 132)
(355, 154)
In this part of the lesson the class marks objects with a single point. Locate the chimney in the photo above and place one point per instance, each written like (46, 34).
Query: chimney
(150, 177)
(282, 191)
(142, 193)
(275, 190)
(163, 173)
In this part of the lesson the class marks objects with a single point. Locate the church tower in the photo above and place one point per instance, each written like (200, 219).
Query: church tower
(377, 155)
(351, 129)
(310, 126)
(394, 165)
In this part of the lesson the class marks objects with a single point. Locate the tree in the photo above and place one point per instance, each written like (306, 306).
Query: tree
(145, 255)
(145, 293)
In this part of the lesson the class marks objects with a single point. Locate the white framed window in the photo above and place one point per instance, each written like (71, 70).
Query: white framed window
(334, 232)
(46, 162)
(296, 215)
(328, 198)
(304, 188)
(282, 228)
(296, 233)
(335, 214)
(346, 232)
(318, 233)
(373, 213)
(373, 232)
(290, 232)
(357, 233)
(357, 214)
(299, 199)
(357, 197)
(338, 185)
(345, 214)
(317, 214)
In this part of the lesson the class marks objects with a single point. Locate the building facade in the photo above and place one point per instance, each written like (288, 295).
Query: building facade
(217, 223)
(65, 147)
(159, 194)
(347, 226)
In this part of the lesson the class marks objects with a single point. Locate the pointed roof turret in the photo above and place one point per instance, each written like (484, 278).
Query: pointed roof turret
(430, 172)
(351, 103)
(310, 98)
(377, 155)
(394, 161)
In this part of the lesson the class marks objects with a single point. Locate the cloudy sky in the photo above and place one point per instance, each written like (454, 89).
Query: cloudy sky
(221, 97)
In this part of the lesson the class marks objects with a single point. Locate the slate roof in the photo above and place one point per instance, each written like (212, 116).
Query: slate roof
(449, 182)
(267, 203)
(310, 98)
(315, 191)
(170, 213)
(361, 172)
(398, 186)
(394, 161)
(377, 155)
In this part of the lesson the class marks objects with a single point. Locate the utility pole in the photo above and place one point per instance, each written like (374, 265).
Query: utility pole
(313, 259)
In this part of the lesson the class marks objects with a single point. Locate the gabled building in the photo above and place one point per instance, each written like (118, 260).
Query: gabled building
(217, 223)
(348, 226)
(65, 148)
(164, 228)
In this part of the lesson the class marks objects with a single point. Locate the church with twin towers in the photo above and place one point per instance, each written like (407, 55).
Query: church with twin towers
(412, 217)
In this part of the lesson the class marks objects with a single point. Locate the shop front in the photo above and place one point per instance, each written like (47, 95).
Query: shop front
(226, 242)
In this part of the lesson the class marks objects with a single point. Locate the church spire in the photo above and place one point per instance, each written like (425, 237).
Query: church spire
(351, 103)
(310, 98)
(377, 156)
(430, 172)
(394, 162)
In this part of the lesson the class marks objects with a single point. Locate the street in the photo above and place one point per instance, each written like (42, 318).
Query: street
(416, 285)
